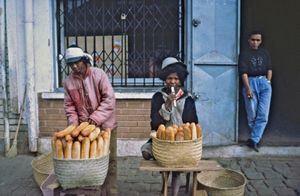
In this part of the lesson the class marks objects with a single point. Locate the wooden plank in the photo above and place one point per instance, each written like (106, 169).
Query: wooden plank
(151, 165)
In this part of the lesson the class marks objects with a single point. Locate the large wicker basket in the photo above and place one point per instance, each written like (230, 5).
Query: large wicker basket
(42, 167)
(81, 172)
(222, 182)
(177, 153)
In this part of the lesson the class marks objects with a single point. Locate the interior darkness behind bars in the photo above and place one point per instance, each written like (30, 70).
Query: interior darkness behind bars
(127, 38)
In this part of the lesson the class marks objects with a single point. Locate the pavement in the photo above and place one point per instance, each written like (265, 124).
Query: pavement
(267, 176)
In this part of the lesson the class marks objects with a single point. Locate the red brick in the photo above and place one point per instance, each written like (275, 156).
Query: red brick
(127, 123)
(143, 124)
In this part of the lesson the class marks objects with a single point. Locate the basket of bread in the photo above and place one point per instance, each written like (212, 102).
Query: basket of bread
(175, 146)
(81, 155)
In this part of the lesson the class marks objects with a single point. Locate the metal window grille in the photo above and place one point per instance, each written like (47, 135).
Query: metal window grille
(127, 38)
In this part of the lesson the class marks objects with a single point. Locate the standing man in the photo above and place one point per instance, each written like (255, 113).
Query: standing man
(89, 97)
(255, 69)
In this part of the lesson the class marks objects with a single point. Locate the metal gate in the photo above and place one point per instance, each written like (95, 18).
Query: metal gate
(127, 38)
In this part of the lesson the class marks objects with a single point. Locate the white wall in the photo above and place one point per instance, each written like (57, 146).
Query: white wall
(42, 47)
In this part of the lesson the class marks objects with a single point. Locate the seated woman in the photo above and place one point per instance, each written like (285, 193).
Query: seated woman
(169, 108)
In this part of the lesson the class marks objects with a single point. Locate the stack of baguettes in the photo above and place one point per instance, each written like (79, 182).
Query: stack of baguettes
(82, 142)
(187, 131)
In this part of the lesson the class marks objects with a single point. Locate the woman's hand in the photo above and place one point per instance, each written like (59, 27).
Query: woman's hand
(170, 99)
(91, 122)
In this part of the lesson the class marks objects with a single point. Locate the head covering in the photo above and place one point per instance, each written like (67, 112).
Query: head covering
(74, 54)
(172, 65)
(171, 61)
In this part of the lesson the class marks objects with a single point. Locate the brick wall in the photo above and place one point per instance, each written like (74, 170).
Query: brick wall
(133, 117)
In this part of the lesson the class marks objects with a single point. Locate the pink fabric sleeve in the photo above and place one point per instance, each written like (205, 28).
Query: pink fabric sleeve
(70, 109)
(108, 102)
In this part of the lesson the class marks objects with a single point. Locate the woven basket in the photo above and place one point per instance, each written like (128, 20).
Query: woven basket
(42, 167)
(177, 153)
(222, 182)
(81, 172)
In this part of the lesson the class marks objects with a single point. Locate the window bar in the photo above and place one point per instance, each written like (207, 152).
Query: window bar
(124, 47)
(103, 41)
(144, 46)
(134, 41)
(94, 35)
(113, 42)
(85, 27)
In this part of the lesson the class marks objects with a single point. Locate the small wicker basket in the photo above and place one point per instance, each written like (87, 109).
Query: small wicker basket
(42, 167)
(222, 182)
(177, 153)
(75, 173)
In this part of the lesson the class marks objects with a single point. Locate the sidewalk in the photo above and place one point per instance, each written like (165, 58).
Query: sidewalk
(267, 176)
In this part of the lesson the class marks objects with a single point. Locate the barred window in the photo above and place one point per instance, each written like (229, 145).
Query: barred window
(127, 38)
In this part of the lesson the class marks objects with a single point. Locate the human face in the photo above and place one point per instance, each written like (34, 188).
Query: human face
(255, 41)
(78, 67)
(173, 80)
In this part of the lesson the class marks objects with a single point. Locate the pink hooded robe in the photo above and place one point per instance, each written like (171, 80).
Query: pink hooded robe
(92, 97)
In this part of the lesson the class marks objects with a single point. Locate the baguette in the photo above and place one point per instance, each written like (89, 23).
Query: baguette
(170, 134)
(187, 133)
(80, 138)
(85, 148)
(93, 149)
(63, 141)
(179, 136)
(68, 138)
(59, 149)
(94, 134)
(163, 134)
(108, 131)
(199, 130)
(65, 132)
(161, 127)
(106, 143)
(78, 129)
(68, 150)
(53, 143)
(193, 130)
(86, 131)
(76, 150)
(100, 146)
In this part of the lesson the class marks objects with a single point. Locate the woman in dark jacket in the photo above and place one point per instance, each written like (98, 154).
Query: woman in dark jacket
(171, 105)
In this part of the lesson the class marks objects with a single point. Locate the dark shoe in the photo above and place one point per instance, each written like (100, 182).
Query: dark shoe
(252, 145)
(147, 155)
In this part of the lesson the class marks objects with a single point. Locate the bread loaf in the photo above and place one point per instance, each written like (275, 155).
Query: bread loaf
(108, 131)
(85, 148)
(65, 132)
(59, 149)
(163, 134)
(100, 146)
(68, 138)
(106, 143)
(80, 138)
(93, 149)
(179, 136)
(187, 133)
(53, 144)
(94, 134)
(86, 131)
(68, 150)
(193, 130)
(78, 129)
(76, 150)
(161, 128)
(170, 134)
(199, 130)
